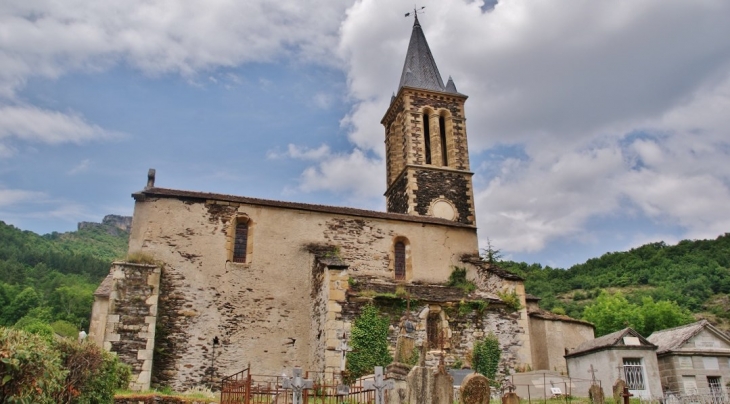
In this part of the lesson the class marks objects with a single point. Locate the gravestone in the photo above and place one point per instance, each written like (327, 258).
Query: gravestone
(297, 384)
(618, 390)
(474, 389)
(398, 372)
(595, 393)
(443, 387)
(420, 383)
(379, 385)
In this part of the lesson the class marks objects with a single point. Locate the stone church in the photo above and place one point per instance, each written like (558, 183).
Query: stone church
(215, 282)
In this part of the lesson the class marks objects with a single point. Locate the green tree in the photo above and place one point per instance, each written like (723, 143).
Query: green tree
(486, 355)
(369, 340)
(661, 315)
(20, 306)
(613, 312)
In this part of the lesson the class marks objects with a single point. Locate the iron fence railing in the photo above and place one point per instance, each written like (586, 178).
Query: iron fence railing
(245, 388)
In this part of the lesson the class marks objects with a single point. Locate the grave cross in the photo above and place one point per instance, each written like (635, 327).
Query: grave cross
(343, 348)
(626, 395)
(592, 371)
(379, 385)
(296, 384)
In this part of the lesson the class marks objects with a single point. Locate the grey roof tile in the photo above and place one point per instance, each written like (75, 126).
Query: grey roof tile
(419, 69)
(609, 340)
(450, 86)
(674, 338)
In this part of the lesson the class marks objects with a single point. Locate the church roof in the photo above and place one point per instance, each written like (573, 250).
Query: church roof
(153, 192)
(419, 69)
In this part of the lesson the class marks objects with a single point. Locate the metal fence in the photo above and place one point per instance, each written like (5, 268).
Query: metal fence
(245, 388)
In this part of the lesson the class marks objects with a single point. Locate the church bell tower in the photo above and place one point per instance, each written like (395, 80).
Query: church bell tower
(427, 160)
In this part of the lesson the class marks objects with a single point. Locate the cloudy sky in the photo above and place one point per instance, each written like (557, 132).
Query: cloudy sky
(593, 125)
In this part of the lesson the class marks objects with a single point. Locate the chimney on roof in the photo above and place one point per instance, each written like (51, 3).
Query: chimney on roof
(150, 178)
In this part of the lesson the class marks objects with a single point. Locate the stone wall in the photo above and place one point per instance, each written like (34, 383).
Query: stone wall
(397, 195)
(131, 318)
(454, 186)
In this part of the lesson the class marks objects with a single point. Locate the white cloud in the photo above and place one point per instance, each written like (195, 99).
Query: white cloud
(301, 152)
(31, 124)
(572, 84)
(355, 174)
(47, 38)
(10, 197)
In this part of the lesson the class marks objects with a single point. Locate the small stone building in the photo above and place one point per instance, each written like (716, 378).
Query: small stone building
(557, 334)
(221, 281)
(693, 359)
(624, 355)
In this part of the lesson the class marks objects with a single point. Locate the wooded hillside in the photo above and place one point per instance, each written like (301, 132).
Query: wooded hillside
(51, 279)
(694, 274)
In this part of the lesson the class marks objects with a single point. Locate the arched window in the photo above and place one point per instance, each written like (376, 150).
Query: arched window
(442, 135)
(240, 242)
(427, 137)
(400, 261)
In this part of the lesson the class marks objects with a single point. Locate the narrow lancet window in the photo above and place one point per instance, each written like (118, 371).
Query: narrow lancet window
(427, 138)
(400, 261)
(240, 242)
(433, 331)
(444, 151)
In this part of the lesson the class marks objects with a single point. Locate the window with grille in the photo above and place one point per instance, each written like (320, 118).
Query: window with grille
(715, 385)
(400, 261)
(634, 374)
(240, 242)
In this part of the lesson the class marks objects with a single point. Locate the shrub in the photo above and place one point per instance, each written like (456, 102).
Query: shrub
(30, 371)
(510, 299)
(35, 326)
(369, 343)
(93, 374)
(65, 329)
(458, 279)
(486, 355)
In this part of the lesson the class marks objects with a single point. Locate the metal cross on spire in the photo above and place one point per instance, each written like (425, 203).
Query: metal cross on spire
(416, 11)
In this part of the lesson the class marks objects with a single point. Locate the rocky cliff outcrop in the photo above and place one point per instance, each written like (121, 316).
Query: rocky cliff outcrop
(111, 222)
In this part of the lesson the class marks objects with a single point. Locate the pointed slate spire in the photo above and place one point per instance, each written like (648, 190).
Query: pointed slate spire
(450, 86)
(419, 70)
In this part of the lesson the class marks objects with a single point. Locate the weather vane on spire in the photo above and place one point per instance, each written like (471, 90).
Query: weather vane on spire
(416, 11)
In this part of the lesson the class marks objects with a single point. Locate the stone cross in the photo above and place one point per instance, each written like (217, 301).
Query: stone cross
(379, 385)
(297, 384)
(592, 371)
(343, 348)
